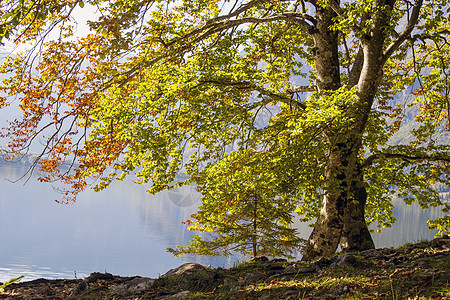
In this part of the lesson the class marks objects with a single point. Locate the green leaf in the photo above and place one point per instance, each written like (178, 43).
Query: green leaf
(9, 282)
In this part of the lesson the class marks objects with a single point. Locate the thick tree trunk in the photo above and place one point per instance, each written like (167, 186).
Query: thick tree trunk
(326, 234)
(355, 233)
(327, 231)
(326, 53)
(255, 227)
(341, 218)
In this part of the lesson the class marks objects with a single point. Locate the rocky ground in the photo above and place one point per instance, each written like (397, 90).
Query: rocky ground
(414, 271)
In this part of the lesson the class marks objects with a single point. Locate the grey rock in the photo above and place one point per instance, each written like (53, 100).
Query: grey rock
(140, 284)
(298, 270)
(345, 261)
(99, 276)
(273, 277)
(187, 268)
(386, 251)
(137, 285)
(370, 252)
(180, 295)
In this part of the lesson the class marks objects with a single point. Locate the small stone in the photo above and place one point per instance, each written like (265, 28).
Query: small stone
(369, 252)
(180, 295)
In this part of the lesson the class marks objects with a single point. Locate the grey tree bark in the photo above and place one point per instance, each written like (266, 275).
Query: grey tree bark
(355, 232)
(341, 219)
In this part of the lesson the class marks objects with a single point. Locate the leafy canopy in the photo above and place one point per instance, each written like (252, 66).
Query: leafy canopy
(160, 87)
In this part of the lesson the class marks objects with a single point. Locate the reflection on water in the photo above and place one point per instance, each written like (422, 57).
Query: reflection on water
(122, 230)
(33, 272)
(410, 225)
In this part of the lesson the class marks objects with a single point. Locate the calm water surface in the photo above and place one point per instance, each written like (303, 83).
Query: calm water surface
(122, 230)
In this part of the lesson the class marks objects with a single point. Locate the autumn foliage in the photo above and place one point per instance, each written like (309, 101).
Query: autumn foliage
(270, 106)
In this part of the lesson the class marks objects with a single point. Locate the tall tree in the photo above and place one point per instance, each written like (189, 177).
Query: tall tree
(158, 87)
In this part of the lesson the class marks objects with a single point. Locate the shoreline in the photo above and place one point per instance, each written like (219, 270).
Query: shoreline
(415, 271)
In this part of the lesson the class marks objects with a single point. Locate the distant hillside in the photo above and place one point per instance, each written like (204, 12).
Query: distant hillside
(24, 160)
(404, 136)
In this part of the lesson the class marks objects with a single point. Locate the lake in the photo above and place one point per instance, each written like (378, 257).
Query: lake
(122, 230)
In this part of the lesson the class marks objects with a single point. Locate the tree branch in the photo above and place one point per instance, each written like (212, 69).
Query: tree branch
(301, 89)
(337, 9)
(246, 85)
(425, 36)
(355, 72)
(211, 27)
(240, 10)
(406, 32)
(408, 158)
(281, 32)
(214, 26)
